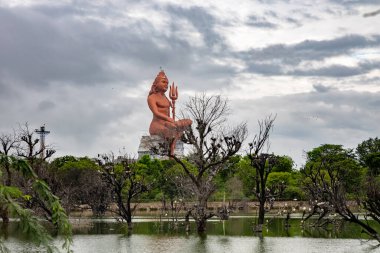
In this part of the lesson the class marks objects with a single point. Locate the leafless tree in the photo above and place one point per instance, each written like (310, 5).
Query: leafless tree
(372, 201)
(212, 145)
(262, 163)
(8, 143)
(29, 149)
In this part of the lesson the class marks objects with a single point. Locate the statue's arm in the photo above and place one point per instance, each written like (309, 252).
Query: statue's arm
(153, 107)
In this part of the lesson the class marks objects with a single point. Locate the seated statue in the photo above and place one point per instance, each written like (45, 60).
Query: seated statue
(162, 124)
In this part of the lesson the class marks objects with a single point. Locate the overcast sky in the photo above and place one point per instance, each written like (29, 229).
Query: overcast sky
(84, 68)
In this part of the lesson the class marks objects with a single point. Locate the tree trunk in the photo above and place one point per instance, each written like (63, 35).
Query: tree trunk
(129, 214)
(4, 214)
(201, 215)
(201, 225)
(8, 182)
(261, 213)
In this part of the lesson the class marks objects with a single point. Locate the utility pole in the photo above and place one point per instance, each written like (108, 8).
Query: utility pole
(42, 132)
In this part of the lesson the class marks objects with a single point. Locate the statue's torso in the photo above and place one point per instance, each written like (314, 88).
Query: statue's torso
(163, 106)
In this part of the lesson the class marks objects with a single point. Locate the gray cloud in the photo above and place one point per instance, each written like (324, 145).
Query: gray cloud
(307, 120)
(261, 22)
(312, 49)
(274, 59)
(321, 88)
(338, 70)
(45, 105)
(41, 50)
(202, 21)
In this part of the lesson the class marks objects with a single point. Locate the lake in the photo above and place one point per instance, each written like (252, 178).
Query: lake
(234, 235)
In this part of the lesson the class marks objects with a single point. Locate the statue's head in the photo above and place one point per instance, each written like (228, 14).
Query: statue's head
(160, 83)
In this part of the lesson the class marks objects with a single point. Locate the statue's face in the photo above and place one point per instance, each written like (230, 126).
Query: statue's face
(162, 84)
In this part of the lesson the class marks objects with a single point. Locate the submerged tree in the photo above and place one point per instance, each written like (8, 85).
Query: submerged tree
(369, 156)
(128, 180)
(331, 175)
(212, 145)
(77, 181)
(263, 164)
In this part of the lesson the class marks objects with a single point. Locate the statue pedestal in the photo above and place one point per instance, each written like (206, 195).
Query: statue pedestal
(148, 142)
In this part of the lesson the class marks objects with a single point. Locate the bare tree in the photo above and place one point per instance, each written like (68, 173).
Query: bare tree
(371, 202)
(262, 163)
(212, 145)
(8, 143)
(28, 148)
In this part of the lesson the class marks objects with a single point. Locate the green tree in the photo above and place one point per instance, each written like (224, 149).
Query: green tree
(77, 181)
(283, 164)
(331, 174)
(369, 155)
(156, 171)
(13, 198)
(128, 180)
(247, 176)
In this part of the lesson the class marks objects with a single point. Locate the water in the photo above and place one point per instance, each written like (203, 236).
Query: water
(235, 235)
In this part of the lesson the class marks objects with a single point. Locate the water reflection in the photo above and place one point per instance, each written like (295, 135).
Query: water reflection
(235, 235)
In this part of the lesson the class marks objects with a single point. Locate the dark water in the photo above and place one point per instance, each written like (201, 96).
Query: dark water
(234, 235)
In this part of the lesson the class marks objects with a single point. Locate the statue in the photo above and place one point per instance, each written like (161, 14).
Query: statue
(162, 124)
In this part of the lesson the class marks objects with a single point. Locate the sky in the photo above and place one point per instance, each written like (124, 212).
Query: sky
(84, 68)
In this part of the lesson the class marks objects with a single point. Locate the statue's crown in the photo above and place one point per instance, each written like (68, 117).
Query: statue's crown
(160, 75)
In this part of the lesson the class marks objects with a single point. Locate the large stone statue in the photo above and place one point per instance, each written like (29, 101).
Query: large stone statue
(162, 123)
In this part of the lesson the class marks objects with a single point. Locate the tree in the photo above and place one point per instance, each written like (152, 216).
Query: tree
(12, 198)
(330, 174)
(77, 181)
(263, 165)
(212, 145)
(369, 155)
(128, 180)
(247, 175)
(8, 143)
(283, 164)
(28, 149)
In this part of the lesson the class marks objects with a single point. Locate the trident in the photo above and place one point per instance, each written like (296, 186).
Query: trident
(173, 94)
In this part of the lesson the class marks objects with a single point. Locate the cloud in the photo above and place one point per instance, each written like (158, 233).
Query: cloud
(278, 59)
(261, 22)
(307, 120)
(321, 88)
(85, 68)
(202, 20)
(312, 49)
(338, 70)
